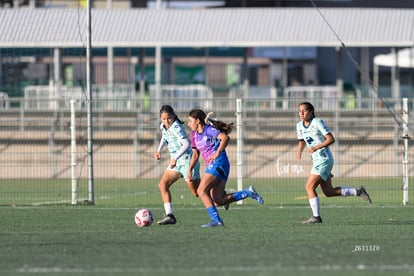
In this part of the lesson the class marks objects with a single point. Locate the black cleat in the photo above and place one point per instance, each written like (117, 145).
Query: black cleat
(313, 220)
(363, 193)
(168, 219)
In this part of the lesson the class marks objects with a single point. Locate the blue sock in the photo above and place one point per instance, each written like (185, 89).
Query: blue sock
(213, 213)
(240, 195)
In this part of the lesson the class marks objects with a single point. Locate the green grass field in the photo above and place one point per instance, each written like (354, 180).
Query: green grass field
(61, 239)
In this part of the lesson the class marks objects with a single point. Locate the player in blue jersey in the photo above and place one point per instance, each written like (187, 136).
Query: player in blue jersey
(314, 134)
(176, 139)
(210, 138)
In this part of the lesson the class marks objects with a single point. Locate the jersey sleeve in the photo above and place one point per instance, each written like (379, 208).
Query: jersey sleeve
(323, 127)
(298, 131)
(162, 144)
(184, 147)
(181, 140)
(179, 131)
(211, 131)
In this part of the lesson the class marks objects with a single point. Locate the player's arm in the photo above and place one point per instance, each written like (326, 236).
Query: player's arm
(185, 143)
(162, 144)
(301, 147)
(184, 146)
(329, 140)
(224, 141)
(193, 162)
(194, 157)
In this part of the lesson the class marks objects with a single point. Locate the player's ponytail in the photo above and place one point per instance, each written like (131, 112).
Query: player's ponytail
(209, 120)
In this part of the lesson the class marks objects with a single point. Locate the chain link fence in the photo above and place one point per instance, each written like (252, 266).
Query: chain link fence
(35, 148)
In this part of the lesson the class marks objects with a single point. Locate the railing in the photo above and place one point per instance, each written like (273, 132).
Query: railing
(19, 114)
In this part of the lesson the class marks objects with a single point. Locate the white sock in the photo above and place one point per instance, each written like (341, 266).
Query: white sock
(314, 204)
(168, 208)
(347, 191)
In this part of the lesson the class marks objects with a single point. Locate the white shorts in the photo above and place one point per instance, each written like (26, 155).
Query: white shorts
(182, 166)
(323, 167)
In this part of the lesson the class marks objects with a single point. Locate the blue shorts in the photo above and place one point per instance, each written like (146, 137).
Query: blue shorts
(323, 168)
(220, 168)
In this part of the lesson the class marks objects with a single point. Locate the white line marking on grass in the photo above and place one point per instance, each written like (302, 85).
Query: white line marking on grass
(232, 207)
(232, 268)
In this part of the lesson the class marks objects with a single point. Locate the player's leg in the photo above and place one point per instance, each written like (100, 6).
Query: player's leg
(218, 194)
(194, 182)
(206, 184)
(329, 190)
(168, 178)
(204, 188)
(311, 184)
(236, 196)
(326, 186)
(320, 176)
(193, 185)
(220, 169)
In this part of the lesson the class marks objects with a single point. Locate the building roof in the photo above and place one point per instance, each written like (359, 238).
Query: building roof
(254, 27)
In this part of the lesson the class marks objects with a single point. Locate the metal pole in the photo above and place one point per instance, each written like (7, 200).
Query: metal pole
(395, 79)
(239, 125)
(55, 104)
(158, 82)
(158, 89)
(91, 199)
(339, 72)
(158, 63)
(73, 151)
(142, 77)
(110, 66)
(405, 160)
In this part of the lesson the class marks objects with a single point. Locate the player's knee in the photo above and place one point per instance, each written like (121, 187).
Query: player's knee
(201, 192)
(194, 187)
(330, 193)
(162, 186)
(310, 190)
(219, 201)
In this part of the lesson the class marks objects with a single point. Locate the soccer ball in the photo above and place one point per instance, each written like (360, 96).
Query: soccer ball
(143, 218)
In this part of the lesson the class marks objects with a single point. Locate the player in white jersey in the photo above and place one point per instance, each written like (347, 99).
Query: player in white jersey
(176, 139)
(314, 134)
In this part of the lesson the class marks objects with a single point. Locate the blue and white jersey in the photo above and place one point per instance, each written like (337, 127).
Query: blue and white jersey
(313, 135)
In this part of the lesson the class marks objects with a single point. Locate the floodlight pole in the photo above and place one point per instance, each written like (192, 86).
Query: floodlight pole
(91, 199)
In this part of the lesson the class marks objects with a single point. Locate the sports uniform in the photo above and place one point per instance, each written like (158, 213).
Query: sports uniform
(314, 134)
(207, 143)
(175, 138)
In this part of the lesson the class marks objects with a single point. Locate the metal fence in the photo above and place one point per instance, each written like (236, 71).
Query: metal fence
(35, 146)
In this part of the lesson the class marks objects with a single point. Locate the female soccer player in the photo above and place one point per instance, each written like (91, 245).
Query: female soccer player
(315, 134)
(210, 138)
(176, 139)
